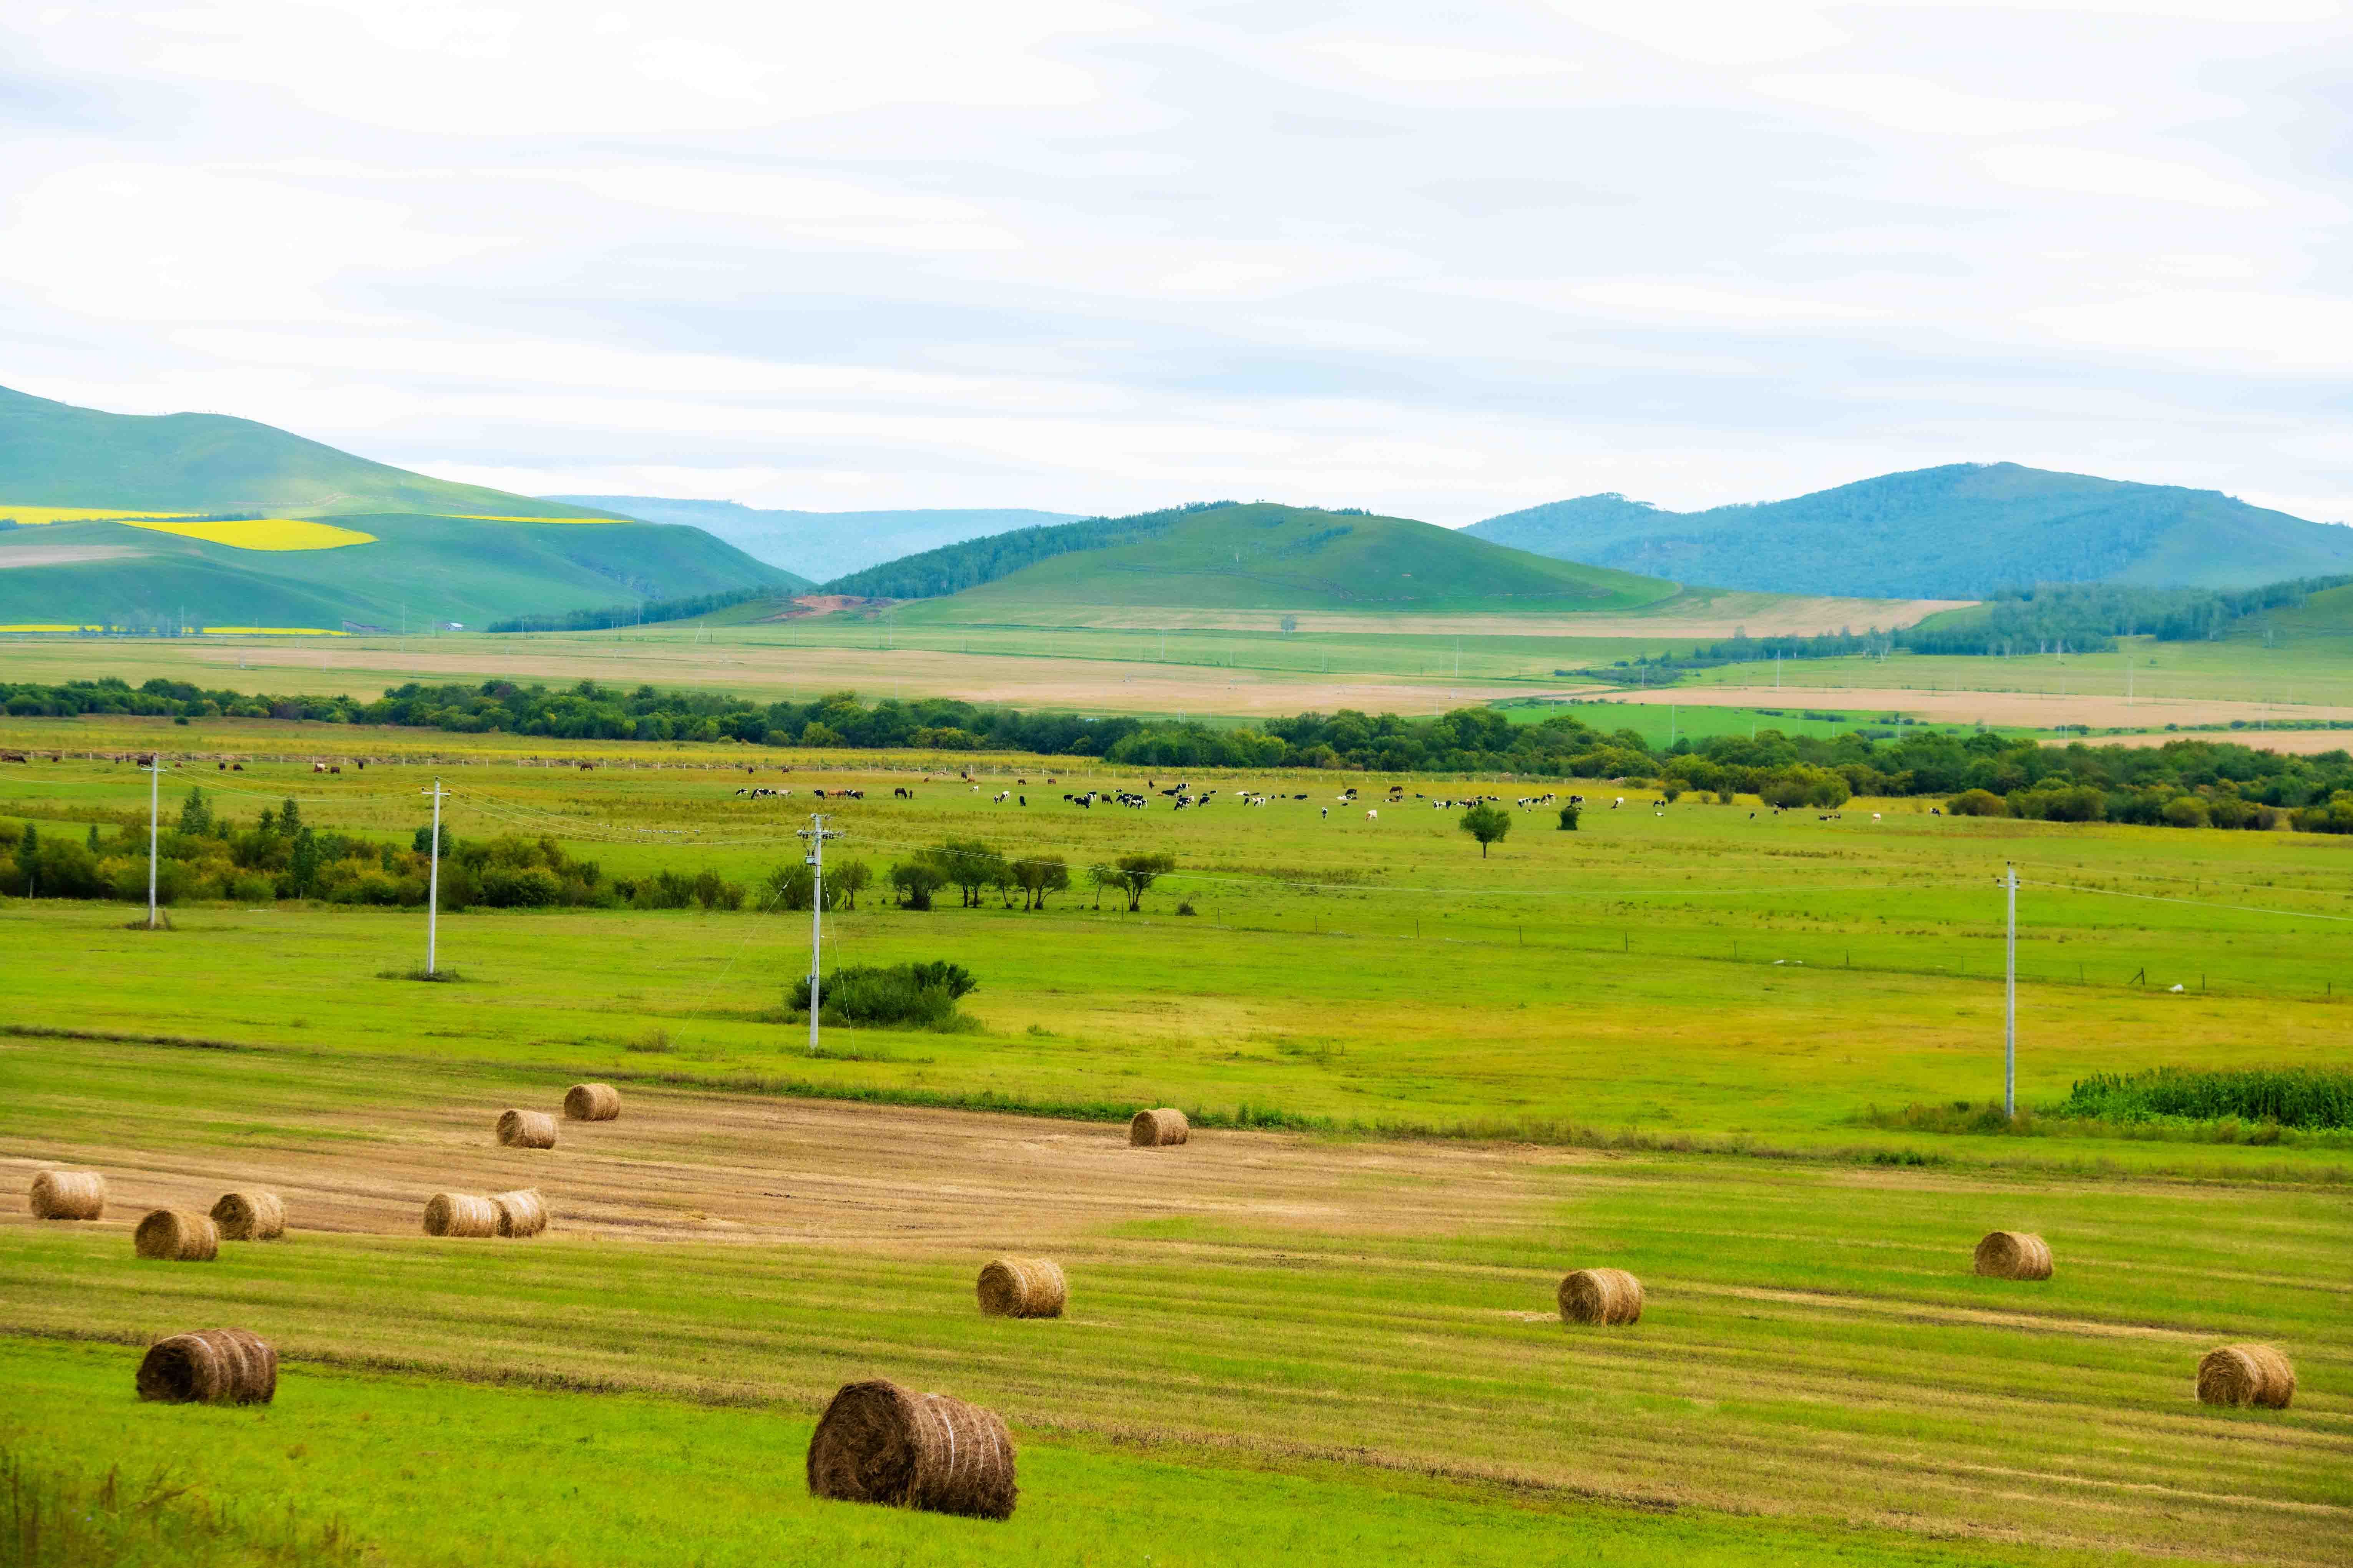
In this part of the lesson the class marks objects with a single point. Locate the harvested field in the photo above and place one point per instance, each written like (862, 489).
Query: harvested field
(1276, 1297)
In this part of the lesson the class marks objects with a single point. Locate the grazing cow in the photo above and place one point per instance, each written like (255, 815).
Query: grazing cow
(1874, 816)
(237, 767)
(1000, 797)
(221, 767)
(902, 792)
(1372, 816)
(318, 767)
(338, 768)
(1327, 811)
(1935, 811)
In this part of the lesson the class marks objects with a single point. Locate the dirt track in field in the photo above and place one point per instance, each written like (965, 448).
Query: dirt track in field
(700, 1167)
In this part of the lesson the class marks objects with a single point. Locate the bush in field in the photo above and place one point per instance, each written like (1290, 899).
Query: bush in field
(1977, 803)
(920, 995)
(1569, 811)
(2291, 1097)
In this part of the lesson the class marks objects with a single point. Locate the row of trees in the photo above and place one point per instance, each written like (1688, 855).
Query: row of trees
(973, 869)
(1785, 769)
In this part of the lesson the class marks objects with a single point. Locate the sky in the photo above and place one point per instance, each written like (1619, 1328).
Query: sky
(1440, 261)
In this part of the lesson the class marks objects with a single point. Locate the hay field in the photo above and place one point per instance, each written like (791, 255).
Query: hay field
(1814, 1349)
(1652, 1044)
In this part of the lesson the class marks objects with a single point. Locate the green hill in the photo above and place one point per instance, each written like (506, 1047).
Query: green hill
(416, 569)
(1229, 556)
(1960, 531)
(54, 454)
(433, 550)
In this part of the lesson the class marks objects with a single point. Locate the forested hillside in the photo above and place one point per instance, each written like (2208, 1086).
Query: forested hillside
(1967, 530)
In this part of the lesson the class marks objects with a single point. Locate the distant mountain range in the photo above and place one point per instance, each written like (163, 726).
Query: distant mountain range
(174, 538)
(823, 544)
(1959, 532)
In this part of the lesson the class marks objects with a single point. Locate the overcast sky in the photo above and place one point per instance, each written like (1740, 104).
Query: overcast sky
(1436, 260)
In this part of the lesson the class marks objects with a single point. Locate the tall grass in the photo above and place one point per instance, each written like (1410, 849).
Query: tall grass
(2290, 1097)
(53, 1519)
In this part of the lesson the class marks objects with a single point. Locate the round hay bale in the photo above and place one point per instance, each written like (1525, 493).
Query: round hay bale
(249, 1216)
(68, 1195)
(2246, 1374)
(2014, 1255)
(1600, 1296)
(210, 1366)
(1158, 1129)
(461, 1213)
(178, 1236)
(1023, 1288)
(878, 1442)
(527, 1130)
(592, 1103)
(521, 1213)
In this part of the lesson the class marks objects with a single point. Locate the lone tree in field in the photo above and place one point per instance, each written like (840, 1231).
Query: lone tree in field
(1486, 823)
(1039, 875)
(915, 882)
(1568, 812)
(1137, 873)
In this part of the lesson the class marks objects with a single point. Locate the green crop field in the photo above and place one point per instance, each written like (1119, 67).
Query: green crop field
(1706, 1043)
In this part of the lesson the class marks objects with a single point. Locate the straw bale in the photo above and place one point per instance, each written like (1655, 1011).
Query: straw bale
(2246, 1374)
(1023, 1288)
(178, 1236)
(527, 1130)
(210, 1366)
(880, 1443)
(1158, 1129)
(461, 1213)
(592, 1103)
(1600, 1296)
(523, 1213)
(249, 1216)
(68, 1195)
(2014, 1255)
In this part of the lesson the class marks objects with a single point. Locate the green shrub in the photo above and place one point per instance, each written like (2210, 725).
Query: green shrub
(2290, 1097)
(906, 995)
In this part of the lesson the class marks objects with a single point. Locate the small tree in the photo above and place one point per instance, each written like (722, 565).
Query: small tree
(1486, 823)
(915, 882)
(1290, 622)
(1136, 874)
(1568, 814)
(969, 866)
(1098, 878)
(196, 814)
(1039, 875)
(845, 884)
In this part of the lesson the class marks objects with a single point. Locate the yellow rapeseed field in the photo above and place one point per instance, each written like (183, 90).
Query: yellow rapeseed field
(260, 532)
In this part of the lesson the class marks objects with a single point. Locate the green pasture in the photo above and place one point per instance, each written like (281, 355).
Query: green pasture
(1813, 1349)
(1698, 970)
(349, 1467)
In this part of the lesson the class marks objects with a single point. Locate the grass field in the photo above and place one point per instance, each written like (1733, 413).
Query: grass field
(1426, 1084)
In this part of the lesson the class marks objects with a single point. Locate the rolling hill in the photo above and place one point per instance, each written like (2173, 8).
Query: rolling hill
(1229, 556)
(393, 543)
(823, 544)
(1960, 531)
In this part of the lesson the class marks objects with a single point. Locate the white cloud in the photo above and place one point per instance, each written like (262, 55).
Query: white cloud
(1396, 61)
(2088, 171)
(1713, 32)
(1916, 103)
(2291, 332)
(830, 210)
(1652, 297)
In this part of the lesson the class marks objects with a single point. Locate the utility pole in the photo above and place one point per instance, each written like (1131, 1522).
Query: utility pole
(433, 881)
(154, 797)
(817, 832)
(2010, 1002)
